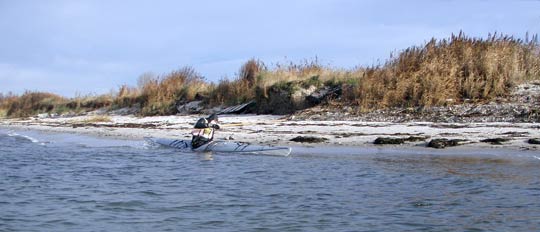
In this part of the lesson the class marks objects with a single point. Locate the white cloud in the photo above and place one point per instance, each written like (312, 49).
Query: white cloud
(92, 46)
(17, 79)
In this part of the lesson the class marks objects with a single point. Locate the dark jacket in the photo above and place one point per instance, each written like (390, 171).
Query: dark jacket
(203, 123)
(204, 134)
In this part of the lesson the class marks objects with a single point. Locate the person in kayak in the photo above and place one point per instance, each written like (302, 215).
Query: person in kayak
(204, 131)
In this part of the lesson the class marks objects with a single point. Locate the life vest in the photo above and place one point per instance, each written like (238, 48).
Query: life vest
(204, 132)
(207, 133)
(201, 137)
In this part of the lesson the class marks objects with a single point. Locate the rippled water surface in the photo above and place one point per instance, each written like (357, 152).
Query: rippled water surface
(61, 182)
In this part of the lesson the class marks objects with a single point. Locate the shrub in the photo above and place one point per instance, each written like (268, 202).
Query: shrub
(450, 71)
(31, 103)
(127, 97)
(438, 73)
(159, 96)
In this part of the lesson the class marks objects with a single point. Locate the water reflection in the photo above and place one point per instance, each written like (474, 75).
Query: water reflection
(494, 168)
(206, 156)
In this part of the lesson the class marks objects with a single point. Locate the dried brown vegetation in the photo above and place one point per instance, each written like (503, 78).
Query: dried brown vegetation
(450, 71)
(240, 90)
(159, 95)
(438, 73)
(30, 103)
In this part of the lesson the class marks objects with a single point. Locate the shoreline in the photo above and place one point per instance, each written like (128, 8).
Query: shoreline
(279, 130)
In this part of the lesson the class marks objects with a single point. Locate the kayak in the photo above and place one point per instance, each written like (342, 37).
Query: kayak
(223, 147)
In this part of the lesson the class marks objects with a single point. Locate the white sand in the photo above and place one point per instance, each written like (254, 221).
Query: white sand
(268, 129)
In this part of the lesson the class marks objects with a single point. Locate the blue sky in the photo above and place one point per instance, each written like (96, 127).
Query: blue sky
(90, 47)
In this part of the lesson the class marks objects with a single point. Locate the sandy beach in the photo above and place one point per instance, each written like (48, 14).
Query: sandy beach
(280, 130)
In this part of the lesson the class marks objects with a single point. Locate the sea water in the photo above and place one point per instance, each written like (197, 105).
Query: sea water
(66, 182)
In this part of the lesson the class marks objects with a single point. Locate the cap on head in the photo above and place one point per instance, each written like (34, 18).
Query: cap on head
(212, 117)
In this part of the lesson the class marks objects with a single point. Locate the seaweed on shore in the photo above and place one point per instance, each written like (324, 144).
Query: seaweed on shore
(495, 141)
(443, 143)
(308, 139)
(389, 140)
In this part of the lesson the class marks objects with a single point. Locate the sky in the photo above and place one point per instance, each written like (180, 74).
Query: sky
(80, 47)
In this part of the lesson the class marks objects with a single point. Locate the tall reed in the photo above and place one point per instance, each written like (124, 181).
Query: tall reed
(159, 95)
(450, 71)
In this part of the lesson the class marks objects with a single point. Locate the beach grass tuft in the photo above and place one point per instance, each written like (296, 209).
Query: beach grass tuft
(450, 71)
(31, 103)
(98, 119)
(160, 95)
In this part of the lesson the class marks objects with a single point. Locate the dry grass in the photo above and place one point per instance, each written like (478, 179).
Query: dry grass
(440, 72)
(240, 90)
(5, 103)
(449, 72)
(96, 102)
(231, 92)
(127, 97)
(159, 95)
(97, 119)
(31, 103)
(255, 80)
(80, 104)
(305, 71)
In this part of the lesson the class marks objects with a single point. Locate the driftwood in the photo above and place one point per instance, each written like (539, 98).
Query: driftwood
(238, 109)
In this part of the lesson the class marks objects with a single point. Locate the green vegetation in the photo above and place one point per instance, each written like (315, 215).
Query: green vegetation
(441, 72)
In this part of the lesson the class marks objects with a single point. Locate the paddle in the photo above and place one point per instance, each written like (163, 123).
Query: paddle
(251, 123)
(232, 124)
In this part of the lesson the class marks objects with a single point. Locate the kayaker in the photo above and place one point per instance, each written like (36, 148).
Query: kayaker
(204, 130)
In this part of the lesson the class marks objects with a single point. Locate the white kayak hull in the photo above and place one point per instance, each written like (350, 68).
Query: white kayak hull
(223, 147)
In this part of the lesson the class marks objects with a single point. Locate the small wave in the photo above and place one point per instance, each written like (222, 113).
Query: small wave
(536, 157)
(26, 137)
(125, 204)
(151, 193)
(149, 145)
(91, 142)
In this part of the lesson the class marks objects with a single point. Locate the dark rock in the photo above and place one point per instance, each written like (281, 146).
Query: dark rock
(386, 140)
(534, 141)
(442, 143)
(516, 134)
(279, 99)
(415, 139)
(495, 141)
(193, 107)
(324, 93)
(308, 139)
(299, 95)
